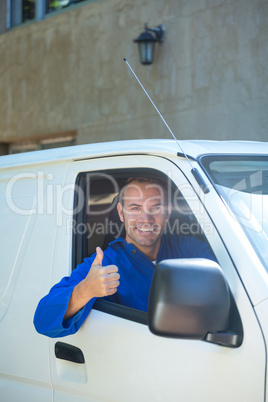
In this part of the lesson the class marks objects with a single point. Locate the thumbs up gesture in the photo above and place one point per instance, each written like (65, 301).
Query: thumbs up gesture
(102, 281)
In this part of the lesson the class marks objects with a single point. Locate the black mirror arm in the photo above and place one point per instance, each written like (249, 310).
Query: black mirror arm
(225, 338)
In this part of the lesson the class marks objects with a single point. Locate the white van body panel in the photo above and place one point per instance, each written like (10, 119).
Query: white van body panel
(165, 148)
(124, 361)
(262, 314)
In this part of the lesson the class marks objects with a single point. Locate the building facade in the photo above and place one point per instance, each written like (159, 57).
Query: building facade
(63, 80)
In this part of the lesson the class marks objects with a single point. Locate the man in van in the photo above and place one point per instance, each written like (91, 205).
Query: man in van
(123, 272)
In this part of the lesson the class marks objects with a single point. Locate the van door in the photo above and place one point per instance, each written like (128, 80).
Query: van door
(123, 360)
(27, 233)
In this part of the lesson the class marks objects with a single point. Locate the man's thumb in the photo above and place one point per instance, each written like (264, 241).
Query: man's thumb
(99, 257)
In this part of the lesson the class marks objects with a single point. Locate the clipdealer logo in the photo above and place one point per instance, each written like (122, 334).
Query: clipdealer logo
(45, 195)
(48, 197)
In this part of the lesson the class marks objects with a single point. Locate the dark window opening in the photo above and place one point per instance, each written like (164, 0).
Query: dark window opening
(28, 10)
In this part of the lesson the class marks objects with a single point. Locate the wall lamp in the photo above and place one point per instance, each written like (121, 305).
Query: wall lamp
(146, 43)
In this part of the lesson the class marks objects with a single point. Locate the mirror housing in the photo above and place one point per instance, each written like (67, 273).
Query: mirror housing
(190, 299)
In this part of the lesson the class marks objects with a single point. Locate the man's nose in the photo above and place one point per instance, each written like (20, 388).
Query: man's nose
(146, 216)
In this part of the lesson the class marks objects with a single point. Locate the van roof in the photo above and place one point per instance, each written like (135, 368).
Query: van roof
(193, 148)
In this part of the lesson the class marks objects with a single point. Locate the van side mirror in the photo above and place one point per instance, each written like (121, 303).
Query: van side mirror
(190, 299)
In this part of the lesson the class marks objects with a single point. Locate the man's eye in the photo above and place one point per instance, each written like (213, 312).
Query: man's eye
(157, 209)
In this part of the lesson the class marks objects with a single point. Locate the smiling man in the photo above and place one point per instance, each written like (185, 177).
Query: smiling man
(124, 271)
(144, 209)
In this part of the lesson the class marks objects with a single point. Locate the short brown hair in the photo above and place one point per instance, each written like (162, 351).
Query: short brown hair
(149, 180)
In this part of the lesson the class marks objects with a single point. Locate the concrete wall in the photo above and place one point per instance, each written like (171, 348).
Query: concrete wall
(209, 79)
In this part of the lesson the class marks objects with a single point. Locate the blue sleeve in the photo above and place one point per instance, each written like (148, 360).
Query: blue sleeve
(48, 318)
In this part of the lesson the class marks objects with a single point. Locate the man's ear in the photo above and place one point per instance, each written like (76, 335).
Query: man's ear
(120, 212)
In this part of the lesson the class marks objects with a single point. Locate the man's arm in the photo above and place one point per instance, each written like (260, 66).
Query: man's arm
(64, 309)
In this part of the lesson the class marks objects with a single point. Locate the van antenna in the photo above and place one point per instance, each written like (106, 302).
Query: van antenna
(194, 171)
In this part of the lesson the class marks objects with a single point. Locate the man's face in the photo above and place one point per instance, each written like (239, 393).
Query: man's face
(144, 213)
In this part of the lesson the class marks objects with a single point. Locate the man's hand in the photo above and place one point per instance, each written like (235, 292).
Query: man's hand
(99, 282)
(102, 281)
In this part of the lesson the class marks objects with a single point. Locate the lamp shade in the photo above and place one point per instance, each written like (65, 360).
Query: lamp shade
(146, 47)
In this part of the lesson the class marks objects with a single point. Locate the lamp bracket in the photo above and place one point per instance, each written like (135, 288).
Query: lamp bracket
(158, 31)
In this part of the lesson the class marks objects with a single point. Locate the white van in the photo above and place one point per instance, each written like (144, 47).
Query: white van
(205, 335)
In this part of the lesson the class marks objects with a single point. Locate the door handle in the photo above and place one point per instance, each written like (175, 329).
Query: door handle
(68, 352)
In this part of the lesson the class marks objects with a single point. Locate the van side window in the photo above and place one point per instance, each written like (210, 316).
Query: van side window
(96, 221)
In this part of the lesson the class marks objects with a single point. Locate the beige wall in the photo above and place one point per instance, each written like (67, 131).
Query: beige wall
(209, 79)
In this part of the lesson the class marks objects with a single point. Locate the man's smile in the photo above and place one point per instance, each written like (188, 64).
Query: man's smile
(148, 229)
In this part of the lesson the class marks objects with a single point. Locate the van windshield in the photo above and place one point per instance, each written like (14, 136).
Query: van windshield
(243, 183)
